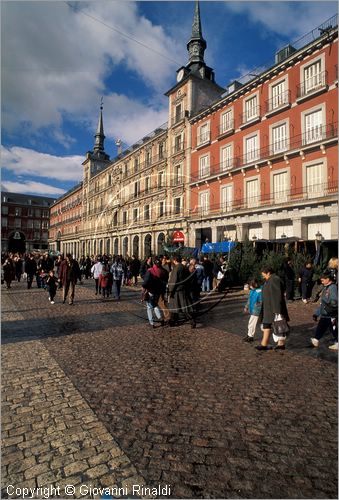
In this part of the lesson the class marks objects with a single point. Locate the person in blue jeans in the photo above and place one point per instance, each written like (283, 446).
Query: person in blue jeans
(327, 312)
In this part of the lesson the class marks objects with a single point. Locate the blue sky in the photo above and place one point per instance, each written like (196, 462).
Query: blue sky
(59, 58)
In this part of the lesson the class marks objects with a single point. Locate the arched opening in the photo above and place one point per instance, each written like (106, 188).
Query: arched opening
(160, 243)
(100, 247)
(95, 247)
(17, 242)
(88, 248)
(136, 246)
(116, 246)
(147, 245)
(108, 246)
(125, 246)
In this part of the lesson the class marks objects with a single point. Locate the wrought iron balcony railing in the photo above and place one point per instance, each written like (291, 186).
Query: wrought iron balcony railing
(278, 101)
(313, 84)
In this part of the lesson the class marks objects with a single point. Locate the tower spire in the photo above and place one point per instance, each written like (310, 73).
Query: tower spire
(99, 136)
(196, 45)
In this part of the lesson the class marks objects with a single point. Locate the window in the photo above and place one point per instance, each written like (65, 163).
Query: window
(136, 189)
(252, 192)
(45, 213)
(125, 170)
(314, 180)
(135, 214)
(124, 217)
(313, 126)
(37, 212)
(177, 174)
(136, 164)
(37, 224)
(148, 158)
(177, 205)
(109, 179)
(226, 197)
(29, 224)
(204, 166)
(204, 202)
(17, 222)
(4, 210)
(36, 235)
(161, 151)
(226, 121)
(279, 96)
(161, 209)
(4, 222)
(161, 179)
(251, 108)
(313, 78)
(280, 187)
(226, 157)
(178, 143)
(146, 212)
(17, 211)
(44, 224)
(115, 219)
(251, 148)
(279, 138)
(147, 184)
(178, 112)
(204, 133)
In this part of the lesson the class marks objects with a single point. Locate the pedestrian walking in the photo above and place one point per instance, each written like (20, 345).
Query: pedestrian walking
(105, 281)
(30, 269)
(96, 271)
(9, 272)
(69, 275)
(179, 290)
(273, 304)
(289, 279)
(153, 287)
(135, 268)
(306, 281)
(117, 271)
(52, 285)
(327, 312)
(253, 307)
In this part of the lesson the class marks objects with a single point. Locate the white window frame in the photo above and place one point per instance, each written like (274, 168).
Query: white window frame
(226, 163)
(283, 144)
(174, 207)
(255, 202)
(305, 134)
(279, 100)
(226, 206)
(204, 136)
(247, 115)
(226, 124)
(204, 170)
(178, 142)
(249, 158)
(280, 196)
(204, 194)
(319, 78)
(313, 191)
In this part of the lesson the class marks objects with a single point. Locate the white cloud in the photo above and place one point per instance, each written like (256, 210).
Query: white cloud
(23, 161)
(55, 61)
(291, 19)
(31, 187)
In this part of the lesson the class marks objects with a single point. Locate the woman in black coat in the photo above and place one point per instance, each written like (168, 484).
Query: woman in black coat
(273, 302)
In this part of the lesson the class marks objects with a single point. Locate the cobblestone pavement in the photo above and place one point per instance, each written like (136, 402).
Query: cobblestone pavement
(92, 395)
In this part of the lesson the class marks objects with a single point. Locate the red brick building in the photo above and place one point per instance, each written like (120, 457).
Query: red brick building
(264, 157)
(24, 222)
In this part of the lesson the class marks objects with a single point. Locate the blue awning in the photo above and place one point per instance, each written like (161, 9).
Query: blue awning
(222, 247)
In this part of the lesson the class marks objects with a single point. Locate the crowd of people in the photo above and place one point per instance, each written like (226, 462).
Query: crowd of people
(172, 288)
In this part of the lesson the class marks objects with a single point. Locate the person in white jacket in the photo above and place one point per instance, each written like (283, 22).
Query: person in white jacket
(96, 271)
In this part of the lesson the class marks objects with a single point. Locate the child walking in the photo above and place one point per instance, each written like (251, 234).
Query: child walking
(52, 285)
(253, 307)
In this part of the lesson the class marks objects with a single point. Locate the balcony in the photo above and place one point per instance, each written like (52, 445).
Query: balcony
(177, 181)
(178, 148)
(312, 86)
(290, 197)
(251, 116)
(178, 118)
(226, 129)
(278, 103)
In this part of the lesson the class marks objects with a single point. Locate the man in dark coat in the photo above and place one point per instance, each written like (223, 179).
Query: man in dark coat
(69, 273)
(30, 269)
(135, 268)
(179, 291)
(273, 302)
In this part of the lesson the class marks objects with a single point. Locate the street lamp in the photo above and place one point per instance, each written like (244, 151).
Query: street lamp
(254, 238)
(318, 236)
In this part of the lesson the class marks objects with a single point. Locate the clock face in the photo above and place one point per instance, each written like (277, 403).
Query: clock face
(180, 75)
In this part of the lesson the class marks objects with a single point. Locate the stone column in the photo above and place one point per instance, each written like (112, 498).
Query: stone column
(268, 230)
(334, 227)
(214, 233)
(299, 228)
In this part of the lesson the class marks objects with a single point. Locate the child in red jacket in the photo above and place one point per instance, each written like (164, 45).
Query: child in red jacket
(105, 281)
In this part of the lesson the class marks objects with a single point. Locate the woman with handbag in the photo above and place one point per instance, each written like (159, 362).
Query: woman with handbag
(273, 311)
